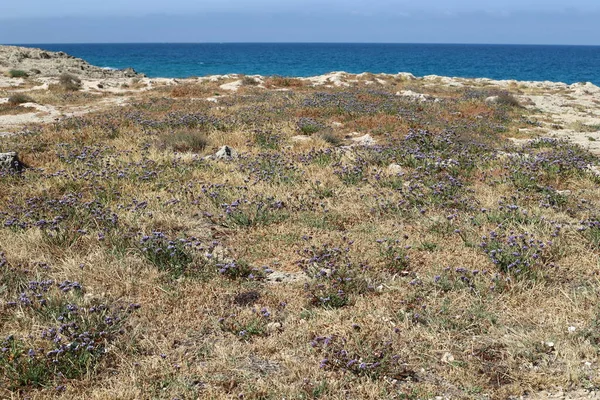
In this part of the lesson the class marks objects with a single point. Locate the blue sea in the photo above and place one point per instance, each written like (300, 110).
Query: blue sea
(568, 64)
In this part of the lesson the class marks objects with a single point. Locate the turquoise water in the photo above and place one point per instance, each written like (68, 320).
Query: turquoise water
(522, 62)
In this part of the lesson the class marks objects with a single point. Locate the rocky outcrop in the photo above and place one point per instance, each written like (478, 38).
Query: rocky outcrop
(38, 62)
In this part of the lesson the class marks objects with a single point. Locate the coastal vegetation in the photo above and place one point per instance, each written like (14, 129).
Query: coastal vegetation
(378, 239)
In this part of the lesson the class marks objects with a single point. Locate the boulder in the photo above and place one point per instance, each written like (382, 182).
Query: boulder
(365, 140)
(10, 161)
(226, 153)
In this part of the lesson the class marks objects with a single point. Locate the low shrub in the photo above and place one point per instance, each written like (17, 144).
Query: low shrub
(69, 82)
(17, 73)
(249, 81)
(19, 98)
(185, 140)
(309, 126)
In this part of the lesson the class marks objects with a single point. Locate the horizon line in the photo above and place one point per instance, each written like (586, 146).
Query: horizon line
(310, 42)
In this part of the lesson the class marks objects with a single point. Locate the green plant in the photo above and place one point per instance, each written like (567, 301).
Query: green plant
(17, 73)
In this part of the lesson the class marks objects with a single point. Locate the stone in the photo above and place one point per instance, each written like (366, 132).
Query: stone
(412, 95)
(286, 277)
(300, 138)
(273, 327)
(365, 140)
(491, 99)
(594, 170)
(226, 153)
(407, 76)
(10, 161)
(447, 358)
(394, 169)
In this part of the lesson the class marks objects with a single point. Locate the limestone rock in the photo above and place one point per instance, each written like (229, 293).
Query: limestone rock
(10, 161)
(40, 62)
(412, 95)
(286, 277)
(226, 153)
(394, 169)
(300, 138)
(365, 140)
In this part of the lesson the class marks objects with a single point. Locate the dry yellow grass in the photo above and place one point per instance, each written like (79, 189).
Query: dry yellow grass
(446, 322)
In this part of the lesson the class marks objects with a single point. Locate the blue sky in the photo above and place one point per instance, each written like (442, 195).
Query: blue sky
(429, 21)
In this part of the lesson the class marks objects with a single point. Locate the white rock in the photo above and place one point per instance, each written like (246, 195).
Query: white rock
(226, 153)
(412, 95)
(594, 169)
(492, 99)
(286, 277)
(232, 86)
(365, 140)
(394, 169)
(447, 358)
(300, 138)
(406, 76)
(273, 327)
(10, 160)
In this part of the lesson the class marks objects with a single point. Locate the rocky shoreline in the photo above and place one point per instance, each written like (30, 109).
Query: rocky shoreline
(42, 63)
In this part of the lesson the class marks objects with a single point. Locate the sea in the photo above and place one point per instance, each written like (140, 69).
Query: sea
(567, 64)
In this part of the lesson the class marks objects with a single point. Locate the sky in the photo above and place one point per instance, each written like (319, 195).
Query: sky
(396, 21)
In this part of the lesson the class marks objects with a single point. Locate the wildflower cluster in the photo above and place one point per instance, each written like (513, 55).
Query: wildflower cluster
(176, 256)
(335, 277)
(515, 254)
(373, 360)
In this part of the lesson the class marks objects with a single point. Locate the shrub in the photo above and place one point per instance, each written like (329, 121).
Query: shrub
(17, 73)
(249, 81)
(331, 139)
(360, 356)
(515, 254)
(335, 276)
(69, 82)
(394, 255)
(507, 99)
(19, 98)
(280, 81)
(309, 126)
(186, 140)
(240, 270)
(267, 139)
(176, 257)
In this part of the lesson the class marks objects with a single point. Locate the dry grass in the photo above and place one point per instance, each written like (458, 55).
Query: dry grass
(390, 267)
